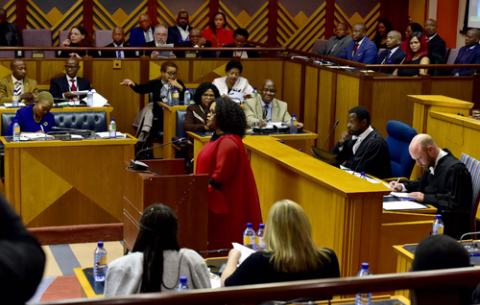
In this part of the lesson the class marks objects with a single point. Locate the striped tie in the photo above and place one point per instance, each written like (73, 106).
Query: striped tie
(18, 87)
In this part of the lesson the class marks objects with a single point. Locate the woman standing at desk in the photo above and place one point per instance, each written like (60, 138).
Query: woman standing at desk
(36, 117)
(233, 198)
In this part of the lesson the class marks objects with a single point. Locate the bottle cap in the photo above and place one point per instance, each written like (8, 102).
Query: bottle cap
(183, 279)
(362, 173)
(100, 244)
(262, 226)
(293, 116)
(364, 265)
(300, 149)
(249, 225)
(89, 90)
(111, 119)
(283, 142)
(439, 216)
(176, 88)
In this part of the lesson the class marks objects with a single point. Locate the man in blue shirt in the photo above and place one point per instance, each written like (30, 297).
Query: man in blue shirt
(361, 49)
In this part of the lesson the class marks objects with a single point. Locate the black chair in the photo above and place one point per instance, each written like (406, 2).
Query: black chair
(323, 155)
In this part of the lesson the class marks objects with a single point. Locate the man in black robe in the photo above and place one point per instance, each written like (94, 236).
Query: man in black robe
(361, 148)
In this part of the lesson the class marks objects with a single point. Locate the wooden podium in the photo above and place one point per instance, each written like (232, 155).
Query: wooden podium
(186, 195)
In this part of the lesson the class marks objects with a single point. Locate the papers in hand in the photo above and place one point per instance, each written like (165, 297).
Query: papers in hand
(402, 205)
(106, 135)
(235, 96)
(246, 252)
(399, 195)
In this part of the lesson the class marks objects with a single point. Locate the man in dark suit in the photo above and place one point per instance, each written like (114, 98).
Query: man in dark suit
(469, 54)
(361, 49)
(9, 35)
(436, 45)
(361, 148)
(240, 37)
(161, 40)
(118, 36)
(336, 44)
(196, 41)
(142, 34)
(178, 34)
(394, 55)
(62, 87)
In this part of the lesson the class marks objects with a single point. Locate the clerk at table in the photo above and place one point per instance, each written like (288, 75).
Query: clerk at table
(36, 117)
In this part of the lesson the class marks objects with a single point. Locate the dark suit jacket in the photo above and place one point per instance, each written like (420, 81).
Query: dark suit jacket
(395, 59)
(59, 85)
(473, 58)
(112, 54)
(137, 38)
(202, 54)
(376, 161)
(367, 52)
(174, 35)
(437, 45)
(11, 35)
(229, 54)
(342, 44)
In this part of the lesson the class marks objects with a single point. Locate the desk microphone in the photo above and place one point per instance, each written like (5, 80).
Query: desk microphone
(140, 166)
(365, 152)
(72, 129)
(334, 126)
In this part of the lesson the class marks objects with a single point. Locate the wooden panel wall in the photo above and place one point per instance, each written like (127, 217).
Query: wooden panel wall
(292, 78)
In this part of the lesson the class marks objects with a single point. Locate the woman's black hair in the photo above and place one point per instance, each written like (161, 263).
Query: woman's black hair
(388, 27)
(229, 116)
(214, 28)
(234, 64)
(158, 232)
(197, 97)
(416, 27)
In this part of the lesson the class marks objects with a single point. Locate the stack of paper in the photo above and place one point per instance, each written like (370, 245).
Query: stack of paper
(37, 136)
(106, 135)
(246, 252)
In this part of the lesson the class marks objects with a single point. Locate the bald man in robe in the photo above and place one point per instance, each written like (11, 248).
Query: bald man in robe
(394, 55)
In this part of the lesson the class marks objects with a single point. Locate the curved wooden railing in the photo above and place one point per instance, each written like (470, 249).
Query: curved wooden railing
(312, 290)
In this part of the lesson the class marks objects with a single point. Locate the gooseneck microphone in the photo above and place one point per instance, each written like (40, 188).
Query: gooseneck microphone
(365, 152)
(140, 166)
(334, 126)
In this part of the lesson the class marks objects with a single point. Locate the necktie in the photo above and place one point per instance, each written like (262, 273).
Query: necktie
(356, 49)
(73, 89)
(18, 87)
(265, 112)
(388, 56)
(119, 53)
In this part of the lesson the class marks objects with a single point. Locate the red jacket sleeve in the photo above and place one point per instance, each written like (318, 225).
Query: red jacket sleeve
(227, 155)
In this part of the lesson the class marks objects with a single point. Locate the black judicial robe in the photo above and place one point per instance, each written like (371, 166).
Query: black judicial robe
(450, 188)
(376, 161)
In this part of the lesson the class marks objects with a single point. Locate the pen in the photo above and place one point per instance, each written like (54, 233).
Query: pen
(398, 180)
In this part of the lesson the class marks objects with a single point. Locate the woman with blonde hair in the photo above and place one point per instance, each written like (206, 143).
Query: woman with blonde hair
(291, 254)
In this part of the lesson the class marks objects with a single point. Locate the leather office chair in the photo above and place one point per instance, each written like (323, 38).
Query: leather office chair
(398, 140)
(318, 44)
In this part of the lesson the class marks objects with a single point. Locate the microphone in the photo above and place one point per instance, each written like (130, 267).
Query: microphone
(140, 166)
(72, 129)
(334, 126)
(364, 153)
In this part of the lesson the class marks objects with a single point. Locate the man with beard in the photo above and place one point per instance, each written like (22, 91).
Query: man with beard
(361, 148)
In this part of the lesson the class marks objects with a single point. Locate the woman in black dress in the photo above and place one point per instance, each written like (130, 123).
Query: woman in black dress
(417, 53)
(78, 37)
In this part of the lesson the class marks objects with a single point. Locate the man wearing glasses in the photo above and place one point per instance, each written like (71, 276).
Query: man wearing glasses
(62, 87)
(266, 108)
(161, 37)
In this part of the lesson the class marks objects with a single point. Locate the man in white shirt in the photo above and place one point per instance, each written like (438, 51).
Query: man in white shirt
(161, 38)
(62, 87)
(178, 34)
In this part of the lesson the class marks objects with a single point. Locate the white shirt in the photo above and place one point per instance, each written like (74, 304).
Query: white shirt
(121, 52)
(184, 33)
(431, 37)
(21, 86)
(69, 81)
(148, 35)
(441, 154)
(359, 139)
(269, 108)
(241, 54)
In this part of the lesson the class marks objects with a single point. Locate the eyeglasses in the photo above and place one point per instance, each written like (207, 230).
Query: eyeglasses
(212, 113)
(71, 67)
(161, 35)
(171, 74)
(209, 95)
(269, 91)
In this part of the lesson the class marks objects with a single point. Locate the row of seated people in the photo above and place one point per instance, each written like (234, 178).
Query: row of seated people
(420, 47)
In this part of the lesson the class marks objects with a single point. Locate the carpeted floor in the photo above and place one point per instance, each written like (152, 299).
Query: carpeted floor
(59, 281)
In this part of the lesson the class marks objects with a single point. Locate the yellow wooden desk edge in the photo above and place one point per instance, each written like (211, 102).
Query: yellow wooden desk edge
(402, 251)
(58, 143)
(309, 136)
(456, 119)
(440, 100)
(87, 288)
(64, 109)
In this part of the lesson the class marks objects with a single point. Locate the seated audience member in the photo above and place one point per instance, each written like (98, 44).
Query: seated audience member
(240, 37)
(143, 33)
(196, 41)
(291, 254)
(152, 114)
(62, 87)
(196, 116)
(438, 252)
(337, 43)
(22, 260)
(436, 45)
(394, 55)
(9, 35)
(36, 117)
(265, 107)
(156, 262)
(412, 27)
(78, 37)
(118, 37)
(469, 54)
(26, 87)
(161, 37)
(233, 81)
(383, 28)
(217, 34)
(178, 33)
(361, 49)
(361, 148)
(417, 54)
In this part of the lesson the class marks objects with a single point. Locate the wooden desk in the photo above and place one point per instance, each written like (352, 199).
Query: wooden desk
(54, 183)
(169, 127)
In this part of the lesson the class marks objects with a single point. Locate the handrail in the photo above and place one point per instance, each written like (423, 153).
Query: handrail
(312, 289)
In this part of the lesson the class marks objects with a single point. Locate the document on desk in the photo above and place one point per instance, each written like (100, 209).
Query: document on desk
(37, 136)
(399, 194)
(402, 205)
(106, 135)
(246, 252)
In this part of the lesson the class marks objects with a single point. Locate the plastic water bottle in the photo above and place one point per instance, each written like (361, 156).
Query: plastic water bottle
(293, 124)
(90, 98)
(112, 129)
(187, 98)
(249, 237)
(176, 96)
(16, 132)
(363, 298)
(100, 263)
(15, 102)
(259, 243)
(255, 92)
(362, 176)
(183, 284)
(170, 97)
(438, 225)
